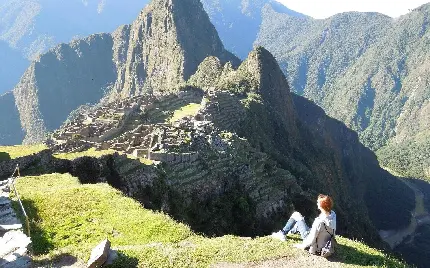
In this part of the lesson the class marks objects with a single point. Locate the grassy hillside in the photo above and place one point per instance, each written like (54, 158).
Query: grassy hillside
(68, 218)
(12, 152)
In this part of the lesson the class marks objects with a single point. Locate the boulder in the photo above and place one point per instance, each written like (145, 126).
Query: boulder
(99, 255)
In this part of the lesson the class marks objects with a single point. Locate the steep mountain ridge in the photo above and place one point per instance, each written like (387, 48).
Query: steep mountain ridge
(61, 80)
(31, 27)
(365, 69)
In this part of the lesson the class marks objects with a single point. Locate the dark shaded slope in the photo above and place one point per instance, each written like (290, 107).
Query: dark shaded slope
(321, 153)
(61, 80)
(11, 132)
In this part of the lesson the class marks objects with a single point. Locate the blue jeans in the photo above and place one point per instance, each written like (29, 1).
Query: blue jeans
(297, 226)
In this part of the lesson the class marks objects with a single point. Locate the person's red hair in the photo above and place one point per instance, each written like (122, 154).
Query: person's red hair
(325, 202)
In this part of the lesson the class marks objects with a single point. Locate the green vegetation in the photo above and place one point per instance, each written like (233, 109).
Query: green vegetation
(12, 152)
(70, 218)
(187, 110)
(92, 152)
(365, 69)
(410, 158)
(67, 217)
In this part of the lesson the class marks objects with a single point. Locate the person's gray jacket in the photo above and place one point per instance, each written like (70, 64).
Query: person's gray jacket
(318, 235)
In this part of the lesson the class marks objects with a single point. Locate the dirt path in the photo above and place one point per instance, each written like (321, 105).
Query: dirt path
(304, 260)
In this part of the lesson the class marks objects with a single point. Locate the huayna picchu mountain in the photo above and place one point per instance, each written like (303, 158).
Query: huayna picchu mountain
(154, 54)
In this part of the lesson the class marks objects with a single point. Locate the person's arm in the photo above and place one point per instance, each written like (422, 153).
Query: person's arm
(312, 236)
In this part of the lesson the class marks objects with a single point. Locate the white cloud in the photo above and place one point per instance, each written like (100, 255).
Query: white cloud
(101, 6)
(321, 9)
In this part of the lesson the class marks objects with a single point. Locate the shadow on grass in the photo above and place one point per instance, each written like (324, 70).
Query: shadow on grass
(124, 261)
(349, 255)
(59, 261)
(4, 156)
(41, 243)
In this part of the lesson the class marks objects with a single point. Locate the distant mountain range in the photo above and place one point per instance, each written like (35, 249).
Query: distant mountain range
(366, 69)
(31, 27)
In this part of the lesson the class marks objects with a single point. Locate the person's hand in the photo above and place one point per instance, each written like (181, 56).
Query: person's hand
(300, 246)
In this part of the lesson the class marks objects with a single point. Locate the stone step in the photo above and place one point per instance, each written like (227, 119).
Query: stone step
(9, 220)
(16, 259)
(10, 227)
(4, 201)
(5, 188)
(12, 241)
(6, 211)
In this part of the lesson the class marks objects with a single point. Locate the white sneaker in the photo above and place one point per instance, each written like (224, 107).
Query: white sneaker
(279, 235)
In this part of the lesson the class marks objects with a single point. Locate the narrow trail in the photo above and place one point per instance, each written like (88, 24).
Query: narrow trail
(419, 216)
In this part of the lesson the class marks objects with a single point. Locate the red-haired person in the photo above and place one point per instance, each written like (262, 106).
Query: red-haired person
(323, 228)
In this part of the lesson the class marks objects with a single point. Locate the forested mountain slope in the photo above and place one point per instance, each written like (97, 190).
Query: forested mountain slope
(366, 69)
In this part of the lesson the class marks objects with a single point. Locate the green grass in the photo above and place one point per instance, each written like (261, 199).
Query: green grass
(70, 218)
(188, 110)
(92, 152)
(12, 152)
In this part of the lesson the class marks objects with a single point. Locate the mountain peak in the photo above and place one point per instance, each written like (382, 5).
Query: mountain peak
(167, 43)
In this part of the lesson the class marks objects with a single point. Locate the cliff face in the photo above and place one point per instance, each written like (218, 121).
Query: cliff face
(62, 80)
(9, 121)
(320, 151)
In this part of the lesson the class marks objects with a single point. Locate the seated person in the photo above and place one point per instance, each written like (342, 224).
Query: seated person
(323, 228)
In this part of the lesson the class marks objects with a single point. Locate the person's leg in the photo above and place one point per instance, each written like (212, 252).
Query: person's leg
(291, 223)
(302, 228)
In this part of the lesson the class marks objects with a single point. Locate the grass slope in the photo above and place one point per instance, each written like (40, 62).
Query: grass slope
(68, 218)
(12, 152)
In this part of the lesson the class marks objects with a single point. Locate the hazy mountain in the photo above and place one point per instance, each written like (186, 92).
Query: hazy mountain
(365, 69)
(31, 27)
(11, 132)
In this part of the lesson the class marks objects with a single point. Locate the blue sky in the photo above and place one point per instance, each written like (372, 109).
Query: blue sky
(320, 9)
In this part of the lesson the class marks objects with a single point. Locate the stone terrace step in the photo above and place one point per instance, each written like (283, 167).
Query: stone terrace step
(13, 242)
(6, 211)
(9, 220)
